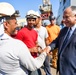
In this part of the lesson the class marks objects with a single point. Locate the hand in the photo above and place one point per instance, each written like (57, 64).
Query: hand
(47, 49)
(34, 49)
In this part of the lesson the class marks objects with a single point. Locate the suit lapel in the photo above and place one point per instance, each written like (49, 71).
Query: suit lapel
(71, 38)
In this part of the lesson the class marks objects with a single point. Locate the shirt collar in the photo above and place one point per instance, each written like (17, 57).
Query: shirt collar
(5, 36)
(73, 27)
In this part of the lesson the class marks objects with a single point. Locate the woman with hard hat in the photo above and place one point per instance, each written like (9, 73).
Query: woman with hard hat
(15, 57)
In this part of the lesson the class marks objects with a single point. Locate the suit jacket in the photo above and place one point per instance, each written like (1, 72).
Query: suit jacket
(66, 56)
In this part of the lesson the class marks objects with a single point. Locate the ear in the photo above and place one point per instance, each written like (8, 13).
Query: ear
(5, 25)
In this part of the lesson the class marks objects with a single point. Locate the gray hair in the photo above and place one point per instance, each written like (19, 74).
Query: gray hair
(73, 8)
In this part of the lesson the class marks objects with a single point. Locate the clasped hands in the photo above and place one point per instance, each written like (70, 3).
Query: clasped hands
(38, 49)
(47, 49)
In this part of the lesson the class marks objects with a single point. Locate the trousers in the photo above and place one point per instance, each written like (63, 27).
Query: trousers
(47, 66)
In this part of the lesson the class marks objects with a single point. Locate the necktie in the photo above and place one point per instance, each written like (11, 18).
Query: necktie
(66, 38)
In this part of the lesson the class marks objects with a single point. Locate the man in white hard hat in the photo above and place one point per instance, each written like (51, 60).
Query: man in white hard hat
(11, 15)
(3, 12)
(15, 57)
(10, 24)
(29, 36)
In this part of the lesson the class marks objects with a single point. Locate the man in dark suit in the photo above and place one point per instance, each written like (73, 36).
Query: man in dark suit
(66, 64)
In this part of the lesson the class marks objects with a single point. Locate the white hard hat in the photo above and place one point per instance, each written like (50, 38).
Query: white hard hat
(6, 9)
(37, 14)
(31, 14)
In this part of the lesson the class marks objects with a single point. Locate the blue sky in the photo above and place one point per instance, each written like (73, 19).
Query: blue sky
(24, 5)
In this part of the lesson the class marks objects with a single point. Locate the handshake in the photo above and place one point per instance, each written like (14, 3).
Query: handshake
(47, 49)
(39, 50)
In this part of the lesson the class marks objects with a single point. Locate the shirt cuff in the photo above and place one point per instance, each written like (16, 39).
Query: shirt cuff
(49, 47)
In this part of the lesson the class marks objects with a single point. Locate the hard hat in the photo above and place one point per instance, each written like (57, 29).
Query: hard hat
(6, 9)
(31, 14)
(16, 14)
(37, 14)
